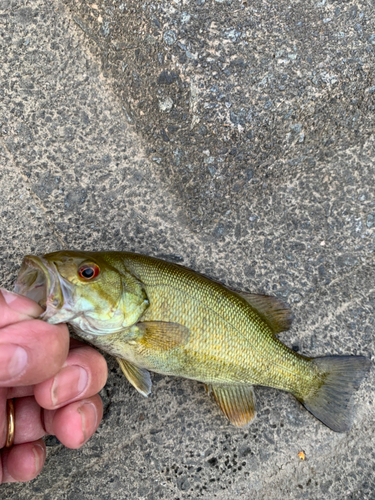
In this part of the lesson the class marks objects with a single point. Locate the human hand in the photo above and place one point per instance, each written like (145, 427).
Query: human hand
(54, 386)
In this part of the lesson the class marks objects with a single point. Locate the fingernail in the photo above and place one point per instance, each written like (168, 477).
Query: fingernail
(38, 451)
(89, 419)
(21, 304)
(68, 384)
(13, 361)
(9, 296)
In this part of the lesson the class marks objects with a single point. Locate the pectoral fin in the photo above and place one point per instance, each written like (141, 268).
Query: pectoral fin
(161, 335)
(138, 377)
(272, 310)
(236, 402)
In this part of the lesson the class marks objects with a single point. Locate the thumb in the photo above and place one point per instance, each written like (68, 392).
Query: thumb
(19, 304)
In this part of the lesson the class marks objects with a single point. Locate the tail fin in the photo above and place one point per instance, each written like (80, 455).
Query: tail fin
(332, 402)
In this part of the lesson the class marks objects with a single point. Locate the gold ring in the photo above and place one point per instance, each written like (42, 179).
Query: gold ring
(10, 419)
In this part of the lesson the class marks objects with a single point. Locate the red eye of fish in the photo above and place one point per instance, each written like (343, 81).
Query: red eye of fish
(88, 271)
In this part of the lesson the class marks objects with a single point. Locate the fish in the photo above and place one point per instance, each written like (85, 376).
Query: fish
(153, 315)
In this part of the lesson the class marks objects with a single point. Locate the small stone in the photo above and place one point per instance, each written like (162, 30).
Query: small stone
(75, 198)
(167, 77)
(164, 135)
(370, 222)
(297, 128)
(170, 37)
(219, 230)
(185, 17)
(166, 105)
(346, 260)
(190, 55)
(212, 170)
(105, 28)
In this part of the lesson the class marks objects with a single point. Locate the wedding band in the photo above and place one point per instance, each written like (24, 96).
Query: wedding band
(10, 419)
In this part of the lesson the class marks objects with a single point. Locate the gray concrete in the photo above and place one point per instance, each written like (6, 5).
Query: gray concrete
(233, 137)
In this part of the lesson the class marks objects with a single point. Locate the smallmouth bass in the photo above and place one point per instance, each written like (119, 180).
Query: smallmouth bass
(158, 316)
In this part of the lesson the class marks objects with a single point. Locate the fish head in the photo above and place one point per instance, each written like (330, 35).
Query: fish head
(80, 288)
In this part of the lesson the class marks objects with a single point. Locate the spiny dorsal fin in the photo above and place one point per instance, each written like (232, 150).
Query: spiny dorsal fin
(161, 335)
(272, 310)
(236, 402)
(138, 377)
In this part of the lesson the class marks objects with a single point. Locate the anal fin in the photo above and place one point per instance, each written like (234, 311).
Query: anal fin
(138, 377)
(236, 402)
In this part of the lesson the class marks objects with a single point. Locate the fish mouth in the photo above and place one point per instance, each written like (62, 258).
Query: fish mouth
(40, 281)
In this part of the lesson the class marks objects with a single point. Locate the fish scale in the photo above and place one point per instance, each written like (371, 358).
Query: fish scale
(158, 316)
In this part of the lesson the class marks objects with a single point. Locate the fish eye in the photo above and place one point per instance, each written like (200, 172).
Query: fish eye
(88, 271)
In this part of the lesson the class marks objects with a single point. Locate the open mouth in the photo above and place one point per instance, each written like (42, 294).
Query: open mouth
(33, 280)
(39, 281)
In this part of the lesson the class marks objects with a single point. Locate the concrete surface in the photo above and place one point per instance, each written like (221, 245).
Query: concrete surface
(236, 138)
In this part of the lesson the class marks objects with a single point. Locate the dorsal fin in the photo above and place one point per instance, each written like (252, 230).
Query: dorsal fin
(272, 310)
(236, 402)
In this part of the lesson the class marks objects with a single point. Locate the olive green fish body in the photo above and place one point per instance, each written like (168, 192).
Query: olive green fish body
(158, 316)
(228, 341)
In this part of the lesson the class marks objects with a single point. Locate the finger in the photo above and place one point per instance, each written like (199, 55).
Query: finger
(23, 462)
(75, 423)
(28, 423)
(20, 392)
(31, 351)
(16, 308)
(3, 418)
(83, 374)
